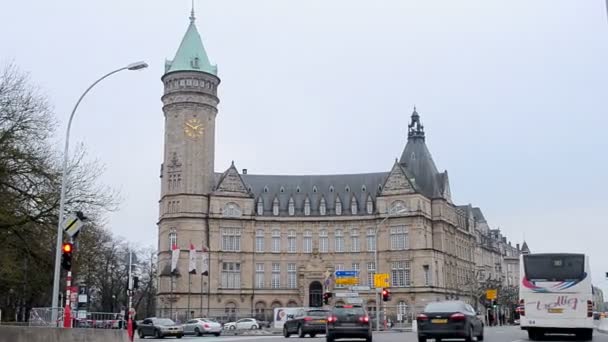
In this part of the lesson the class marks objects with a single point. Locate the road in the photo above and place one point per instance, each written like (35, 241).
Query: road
(492, 334)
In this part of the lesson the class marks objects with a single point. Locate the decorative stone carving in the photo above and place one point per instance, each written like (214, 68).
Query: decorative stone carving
(232, 210)
(397, 182)
(231, 181)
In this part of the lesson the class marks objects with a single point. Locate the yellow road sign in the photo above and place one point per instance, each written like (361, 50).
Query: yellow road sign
(347, 281)
(491, 294)
(381, 280)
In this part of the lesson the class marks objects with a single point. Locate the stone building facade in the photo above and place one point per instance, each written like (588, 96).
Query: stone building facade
(273, 240)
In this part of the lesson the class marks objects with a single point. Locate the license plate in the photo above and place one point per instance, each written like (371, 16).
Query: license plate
(320, 321)
(556, 310)
(439, 321)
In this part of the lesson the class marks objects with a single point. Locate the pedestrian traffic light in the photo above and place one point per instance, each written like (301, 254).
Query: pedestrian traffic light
(326, 297)
(66, 256)
(386, 294)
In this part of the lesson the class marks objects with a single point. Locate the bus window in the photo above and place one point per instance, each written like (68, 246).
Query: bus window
(563, 267)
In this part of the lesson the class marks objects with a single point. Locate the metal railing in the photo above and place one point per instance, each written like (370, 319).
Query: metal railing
(43, 317)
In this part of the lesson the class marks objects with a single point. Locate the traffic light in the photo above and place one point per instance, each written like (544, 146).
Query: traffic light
(326, 297)
(494, 304)
(386, 294)
(66, 256)
(135, 282)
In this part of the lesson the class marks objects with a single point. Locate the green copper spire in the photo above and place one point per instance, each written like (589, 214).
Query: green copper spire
(191, 55)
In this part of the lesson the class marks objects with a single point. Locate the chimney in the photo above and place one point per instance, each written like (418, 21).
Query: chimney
(517, 246)
(244, 171)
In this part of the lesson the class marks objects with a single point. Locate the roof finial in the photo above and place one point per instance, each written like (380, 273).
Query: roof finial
(415, 128)
(192, 17)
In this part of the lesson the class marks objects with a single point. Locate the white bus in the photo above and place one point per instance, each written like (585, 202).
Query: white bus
(555, 295)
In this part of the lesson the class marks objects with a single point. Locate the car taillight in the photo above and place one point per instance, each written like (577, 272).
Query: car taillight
(364, 319)
(307, 319)
(332, 319)
(422, 317)
(206, 325)
(457, 317)
(589, 308)
(522, 307)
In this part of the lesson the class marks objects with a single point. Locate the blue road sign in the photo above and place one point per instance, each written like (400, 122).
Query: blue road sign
(346, 274)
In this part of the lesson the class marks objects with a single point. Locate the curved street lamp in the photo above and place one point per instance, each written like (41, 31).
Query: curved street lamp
(55, 298)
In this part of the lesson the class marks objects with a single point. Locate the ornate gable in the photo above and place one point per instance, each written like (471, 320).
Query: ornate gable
(397, 182)
(232, 182)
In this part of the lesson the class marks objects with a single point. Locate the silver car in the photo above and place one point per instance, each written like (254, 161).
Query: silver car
(202, 326)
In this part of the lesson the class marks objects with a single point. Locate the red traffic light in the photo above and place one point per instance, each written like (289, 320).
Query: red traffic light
(67, 248)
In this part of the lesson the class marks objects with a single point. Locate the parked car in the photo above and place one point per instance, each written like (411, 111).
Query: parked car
(245, 323)
(159, 328)
(202, 326)
(311, 322)
(449, 319)
(348, 321)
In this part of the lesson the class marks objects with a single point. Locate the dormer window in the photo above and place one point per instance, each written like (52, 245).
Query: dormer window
(347, 189)
(195, 63)
(282, 189)
(370, 205)
(353, 206)
(331, 188)
(260, 207)
(314, 188)
(322, 207)
(275, 207)
(292, 207)
(307, 207)
(265, 188)
(338, 206)
(363, 188)
(379, 187)
(298, 189)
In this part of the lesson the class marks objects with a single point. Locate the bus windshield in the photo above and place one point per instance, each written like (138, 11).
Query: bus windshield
(554, 267)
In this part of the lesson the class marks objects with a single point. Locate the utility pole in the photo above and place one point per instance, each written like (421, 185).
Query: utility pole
(130, 293)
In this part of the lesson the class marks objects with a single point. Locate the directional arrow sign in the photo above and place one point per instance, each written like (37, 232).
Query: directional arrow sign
(346, 274)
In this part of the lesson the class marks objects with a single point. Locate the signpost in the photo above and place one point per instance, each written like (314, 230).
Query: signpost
(381, 280)
(347, 278)
(72, 224)
(346, 294)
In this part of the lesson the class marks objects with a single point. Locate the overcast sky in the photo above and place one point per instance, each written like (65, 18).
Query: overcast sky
(513, 95)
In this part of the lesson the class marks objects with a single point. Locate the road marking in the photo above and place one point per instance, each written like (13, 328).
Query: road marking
(243, 338)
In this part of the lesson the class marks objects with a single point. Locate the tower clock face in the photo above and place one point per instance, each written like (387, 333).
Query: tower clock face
(193, 128)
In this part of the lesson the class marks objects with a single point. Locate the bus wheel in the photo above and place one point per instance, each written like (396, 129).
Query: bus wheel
(585, 335)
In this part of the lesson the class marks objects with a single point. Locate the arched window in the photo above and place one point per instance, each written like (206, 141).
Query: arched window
(291, 241)
(260, 311)
(323, 241)
(370, 205)
(322, 207)
(339, 241)
(292, 207)
(259, 240)
(276, 241)
(172, 238)
(402, 308)
(230, 311)
(275, 207)
(353, 205)
(292, 304)
(260, 207)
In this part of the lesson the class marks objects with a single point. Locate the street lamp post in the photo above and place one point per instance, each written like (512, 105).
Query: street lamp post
(55, 298)
(376, 266)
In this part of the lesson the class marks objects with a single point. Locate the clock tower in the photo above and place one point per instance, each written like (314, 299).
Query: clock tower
(187, 172)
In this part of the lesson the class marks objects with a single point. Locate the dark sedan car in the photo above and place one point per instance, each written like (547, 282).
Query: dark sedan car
(311, 322)
(348, 321)
(450, 319)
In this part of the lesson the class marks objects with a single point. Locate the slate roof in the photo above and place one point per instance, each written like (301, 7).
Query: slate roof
(345, 186)
(418, 160)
